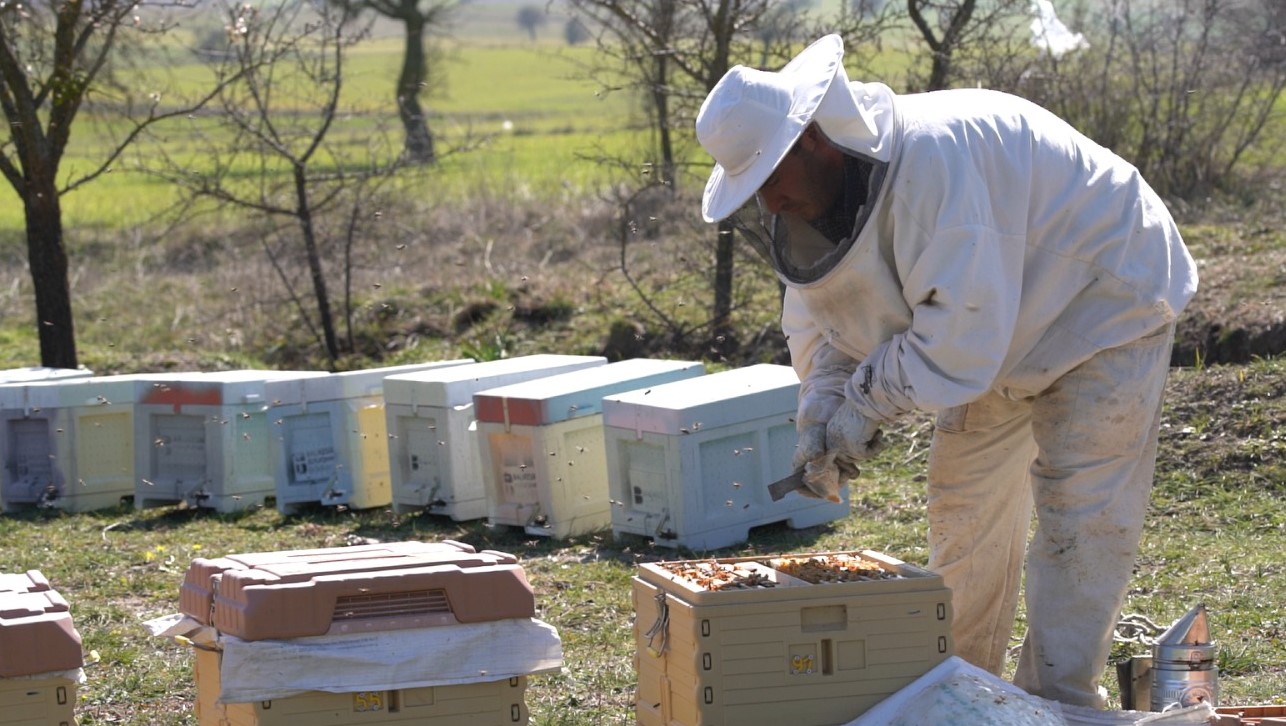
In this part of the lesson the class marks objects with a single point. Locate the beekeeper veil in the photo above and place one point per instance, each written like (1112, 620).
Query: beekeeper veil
(752, 118)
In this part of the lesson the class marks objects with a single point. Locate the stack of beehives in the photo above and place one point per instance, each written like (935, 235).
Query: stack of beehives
(399, 633)
(40, 655)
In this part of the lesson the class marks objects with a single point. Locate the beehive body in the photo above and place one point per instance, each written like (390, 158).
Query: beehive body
(433, 447)
(69, 444)
(541, 445)
(494, 703)
(330, 438)
(204, 439)
(28, 469)
(799, 654)
(37, 701)
(689, 463)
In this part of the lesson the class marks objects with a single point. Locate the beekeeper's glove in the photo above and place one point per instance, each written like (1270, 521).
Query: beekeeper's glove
(852, 438)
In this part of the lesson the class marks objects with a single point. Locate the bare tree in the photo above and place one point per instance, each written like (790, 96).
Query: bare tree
(1184, 90)
(419, 18)
(950, 27)
(279, 115)
(55, 61)
(673, 52)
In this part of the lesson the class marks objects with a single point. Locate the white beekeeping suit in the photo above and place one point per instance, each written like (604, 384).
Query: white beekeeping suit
(1050, 34)
(968, 253)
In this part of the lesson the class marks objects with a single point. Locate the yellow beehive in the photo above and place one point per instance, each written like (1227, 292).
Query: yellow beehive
(741, 641)
(37, 701)
(494, 703)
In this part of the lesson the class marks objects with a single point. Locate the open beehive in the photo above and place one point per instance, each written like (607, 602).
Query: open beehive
(808, 639)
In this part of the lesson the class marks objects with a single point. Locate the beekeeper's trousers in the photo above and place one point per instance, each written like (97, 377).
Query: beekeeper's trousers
(1084, 451)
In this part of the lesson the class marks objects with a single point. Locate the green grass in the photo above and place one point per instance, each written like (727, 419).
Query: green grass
(1215, 536)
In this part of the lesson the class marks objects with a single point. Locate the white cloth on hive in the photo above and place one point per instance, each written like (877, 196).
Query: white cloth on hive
(448, 655)
(957, 692)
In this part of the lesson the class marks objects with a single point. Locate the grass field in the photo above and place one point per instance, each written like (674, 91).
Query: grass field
(1215, 536)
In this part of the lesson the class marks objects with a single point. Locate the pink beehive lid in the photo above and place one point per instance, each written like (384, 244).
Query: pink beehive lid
(293, 600)
(196, 596)
(36, 631)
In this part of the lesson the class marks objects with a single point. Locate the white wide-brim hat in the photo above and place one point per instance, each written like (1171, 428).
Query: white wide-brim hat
(752, 118)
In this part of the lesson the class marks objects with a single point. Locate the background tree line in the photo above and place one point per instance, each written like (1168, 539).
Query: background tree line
(1188, 90)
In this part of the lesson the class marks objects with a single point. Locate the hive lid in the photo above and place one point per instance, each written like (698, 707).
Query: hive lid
(196, 595)
(577, 394)
(18, 582)
(32, 374)
(36, 631)
(346, 384)
(219, 388)
(455, 385)
(709, 402)
(290, 600)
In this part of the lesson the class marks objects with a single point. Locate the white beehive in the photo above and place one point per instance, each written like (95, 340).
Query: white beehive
(433, 448)
(69, 444)
(26, 439)
(689, 463)
(330, 437)
(204, 439)
(541, 443)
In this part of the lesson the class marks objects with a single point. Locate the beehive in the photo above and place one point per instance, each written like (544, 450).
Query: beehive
(276, 598)
(330, 438)
(204, 439)
(544, 465)
(742, 641)
(689, 462)
(39, 653)
(69, 444)
(433, 447)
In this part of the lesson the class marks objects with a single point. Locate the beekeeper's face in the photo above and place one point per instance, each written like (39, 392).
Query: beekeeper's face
(807, 181)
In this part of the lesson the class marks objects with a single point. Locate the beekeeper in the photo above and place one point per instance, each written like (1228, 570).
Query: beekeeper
(968, 253)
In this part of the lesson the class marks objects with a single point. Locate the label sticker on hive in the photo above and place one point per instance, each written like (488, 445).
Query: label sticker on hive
(803, 660)
(518, 475)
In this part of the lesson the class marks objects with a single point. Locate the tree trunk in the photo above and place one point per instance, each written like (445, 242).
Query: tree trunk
(305, 215)
(47, 258)
(661, 102)
(410, 83)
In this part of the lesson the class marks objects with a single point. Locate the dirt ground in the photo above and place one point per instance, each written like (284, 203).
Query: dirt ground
(1239, 311)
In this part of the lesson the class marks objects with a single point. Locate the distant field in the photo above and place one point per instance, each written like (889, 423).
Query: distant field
(527, 100)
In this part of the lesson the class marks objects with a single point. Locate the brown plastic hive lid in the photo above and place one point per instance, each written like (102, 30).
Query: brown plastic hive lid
(29, 581)
(294, 599)
(36, 631)
(196, 596)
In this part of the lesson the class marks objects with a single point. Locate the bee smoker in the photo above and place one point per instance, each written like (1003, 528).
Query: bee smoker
(1180, 670)
(1183, 663)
